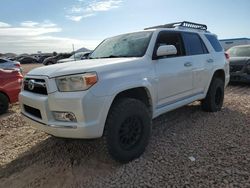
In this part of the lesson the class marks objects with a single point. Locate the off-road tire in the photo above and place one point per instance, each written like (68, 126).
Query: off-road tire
(215, 96)
(127, 129)
(4, 103)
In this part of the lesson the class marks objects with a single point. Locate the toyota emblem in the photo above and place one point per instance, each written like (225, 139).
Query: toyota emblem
(31, 84)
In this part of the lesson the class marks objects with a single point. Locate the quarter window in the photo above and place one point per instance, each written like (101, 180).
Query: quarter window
(215, 43)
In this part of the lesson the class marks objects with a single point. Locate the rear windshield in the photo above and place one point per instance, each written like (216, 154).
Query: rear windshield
(215, 43)
(239, 51)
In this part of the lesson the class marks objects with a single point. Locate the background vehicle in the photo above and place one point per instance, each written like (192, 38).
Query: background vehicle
(54, 59)
(10, 87)
(9, 64)
(127, 81)
(75, 57)
(27, 60)
(239, 59)
(228, 43)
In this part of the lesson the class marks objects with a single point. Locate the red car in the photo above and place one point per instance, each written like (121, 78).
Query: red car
(10, 86)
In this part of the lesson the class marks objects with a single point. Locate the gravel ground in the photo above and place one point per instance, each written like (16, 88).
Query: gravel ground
(188, 148)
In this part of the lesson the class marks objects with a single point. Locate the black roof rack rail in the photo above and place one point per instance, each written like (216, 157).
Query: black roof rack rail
(182, 24)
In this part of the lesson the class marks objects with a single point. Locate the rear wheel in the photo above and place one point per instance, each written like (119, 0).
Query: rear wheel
(127, 129)
(215, 96)
(4, 103)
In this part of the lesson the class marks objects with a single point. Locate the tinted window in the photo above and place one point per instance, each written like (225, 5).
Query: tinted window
(214, 42)
(193, 44)
(170, 38)
(2, 61)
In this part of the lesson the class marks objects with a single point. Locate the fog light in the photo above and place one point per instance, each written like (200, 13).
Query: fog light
(64, 116)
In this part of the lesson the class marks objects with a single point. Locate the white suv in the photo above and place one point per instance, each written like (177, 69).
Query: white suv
(127, 81)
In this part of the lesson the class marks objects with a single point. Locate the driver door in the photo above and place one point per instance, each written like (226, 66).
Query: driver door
(175, 80)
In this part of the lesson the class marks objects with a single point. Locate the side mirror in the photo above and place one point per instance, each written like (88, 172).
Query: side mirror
(165, 50)
(85, 56)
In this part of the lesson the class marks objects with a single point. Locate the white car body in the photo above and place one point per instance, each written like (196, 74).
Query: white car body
(170, 83)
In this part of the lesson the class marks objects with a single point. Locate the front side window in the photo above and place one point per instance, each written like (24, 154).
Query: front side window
(170, 38)
(239, 51)
(127, 45)
(193, 44)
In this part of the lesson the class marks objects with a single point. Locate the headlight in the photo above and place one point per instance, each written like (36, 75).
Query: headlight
(79, 82)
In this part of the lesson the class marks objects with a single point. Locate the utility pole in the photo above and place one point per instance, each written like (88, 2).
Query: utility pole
(74, 51)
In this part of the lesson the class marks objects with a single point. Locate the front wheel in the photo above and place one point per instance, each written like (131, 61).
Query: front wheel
(127, 129)
(215, 96)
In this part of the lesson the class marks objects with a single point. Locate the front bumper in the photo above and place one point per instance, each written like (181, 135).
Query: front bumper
(240, 77)
(90, 112)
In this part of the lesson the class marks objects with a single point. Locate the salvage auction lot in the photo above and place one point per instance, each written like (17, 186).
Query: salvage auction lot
(187, 147)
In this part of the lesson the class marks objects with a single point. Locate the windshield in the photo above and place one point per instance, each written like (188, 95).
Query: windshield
(240, 51)
(127, 45)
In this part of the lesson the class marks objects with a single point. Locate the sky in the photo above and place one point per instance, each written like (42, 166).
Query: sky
(28, 26)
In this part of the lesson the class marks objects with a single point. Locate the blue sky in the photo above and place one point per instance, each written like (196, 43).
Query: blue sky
(53, 25)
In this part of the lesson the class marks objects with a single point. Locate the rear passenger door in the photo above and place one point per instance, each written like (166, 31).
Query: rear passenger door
(202, 63)
(174, 73)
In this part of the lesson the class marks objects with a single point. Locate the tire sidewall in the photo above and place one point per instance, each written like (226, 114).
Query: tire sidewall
(217, 84)
(125, 109)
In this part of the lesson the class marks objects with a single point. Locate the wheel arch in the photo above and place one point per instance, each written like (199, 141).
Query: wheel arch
(140, 93)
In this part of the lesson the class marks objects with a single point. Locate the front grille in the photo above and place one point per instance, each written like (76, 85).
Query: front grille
(236, 68)
(35, 86)
(33, 111)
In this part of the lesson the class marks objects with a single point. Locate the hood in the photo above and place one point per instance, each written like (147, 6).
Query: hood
(65, 60)
(81, 66)
(238, 60)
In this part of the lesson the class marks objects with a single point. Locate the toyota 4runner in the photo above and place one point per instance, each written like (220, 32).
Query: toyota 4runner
(127, 81)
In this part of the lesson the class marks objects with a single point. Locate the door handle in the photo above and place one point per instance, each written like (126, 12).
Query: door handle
(210, 60)
(188, 64)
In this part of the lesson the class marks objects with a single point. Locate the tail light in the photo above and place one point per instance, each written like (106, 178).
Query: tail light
(17, 65)
(227, 56)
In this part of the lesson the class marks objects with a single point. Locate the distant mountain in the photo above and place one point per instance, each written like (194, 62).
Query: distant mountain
(82, 50)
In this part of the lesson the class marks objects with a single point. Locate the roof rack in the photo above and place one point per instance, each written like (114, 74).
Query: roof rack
(181, 24)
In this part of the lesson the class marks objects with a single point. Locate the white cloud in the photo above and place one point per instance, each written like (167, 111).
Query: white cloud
(30, 38)
(79, 18)
(3, 24)
(84, 10)
(25, 31)
(29, 24)
(45, 23)
(75, 18)
(104, 5)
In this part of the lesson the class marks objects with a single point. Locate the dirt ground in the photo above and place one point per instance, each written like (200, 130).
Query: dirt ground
(188, 148)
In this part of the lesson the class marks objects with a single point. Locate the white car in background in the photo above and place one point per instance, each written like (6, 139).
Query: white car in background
(10, 65)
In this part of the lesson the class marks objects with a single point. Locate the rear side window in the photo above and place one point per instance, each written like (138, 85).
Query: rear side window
(193, 44)
(215, 43)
